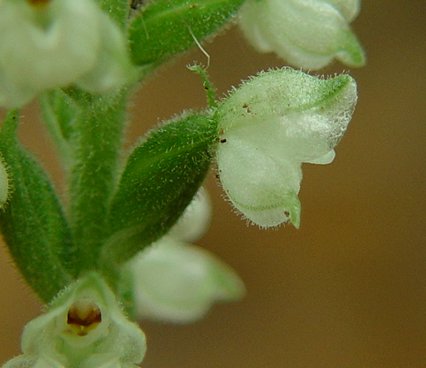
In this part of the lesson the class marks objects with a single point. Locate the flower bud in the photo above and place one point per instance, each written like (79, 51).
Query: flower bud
(178, 282)
(83, 328)
(306, 33)
(55, 43)
(271, 125)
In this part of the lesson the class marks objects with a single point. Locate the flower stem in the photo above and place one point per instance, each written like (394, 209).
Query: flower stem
(99, 131)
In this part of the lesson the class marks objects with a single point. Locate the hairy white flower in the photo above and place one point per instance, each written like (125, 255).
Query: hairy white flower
(55, 43)
(306, 33)
(178, 282)
(271, 125)
(83, 328)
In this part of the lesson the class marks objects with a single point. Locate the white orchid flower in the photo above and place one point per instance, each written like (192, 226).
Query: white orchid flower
(83, 328)
(55, 43)
(269, 126)
(306, 33)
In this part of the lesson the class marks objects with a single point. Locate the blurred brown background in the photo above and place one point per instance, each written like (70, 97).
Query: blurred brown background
(348, 289)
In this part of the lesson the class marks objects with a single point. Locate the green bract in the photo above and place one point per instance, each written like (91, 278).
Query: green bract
(56, 43)
(83, 328)
(306, 33)
(159, 181)
(271, 125)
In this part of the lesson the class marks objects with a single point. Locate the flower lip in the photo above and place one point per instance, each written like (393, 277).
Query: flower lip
(83, 316)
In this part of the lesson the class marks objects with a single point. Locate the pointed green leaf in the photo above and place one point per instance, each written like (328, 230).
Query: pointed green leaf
(164, 28)
(160, 179)
(32, 222)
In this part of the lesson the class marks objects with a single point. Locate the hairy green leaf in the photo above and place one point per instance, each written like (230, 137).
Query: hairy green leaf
(32, 222)
(160, 179)
(164, 28)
